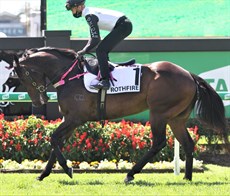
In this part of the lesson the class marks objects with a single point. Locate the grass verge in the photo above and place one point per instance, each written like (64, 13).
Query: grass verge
(214, 181)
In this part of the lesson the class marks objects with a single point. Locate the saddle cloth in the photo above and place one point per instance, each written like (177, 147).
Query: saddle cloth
(126, 79)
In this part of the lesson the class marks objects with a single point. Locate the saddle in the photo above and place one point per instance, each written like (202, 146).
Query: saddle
(92, 66)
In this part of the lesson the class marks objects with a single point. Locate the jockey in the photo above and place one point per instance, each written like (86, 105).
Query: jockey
(118, 25)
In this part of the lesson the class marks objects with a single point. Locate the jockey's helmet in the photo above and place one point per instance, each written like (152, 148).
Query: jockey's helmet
(72, 3)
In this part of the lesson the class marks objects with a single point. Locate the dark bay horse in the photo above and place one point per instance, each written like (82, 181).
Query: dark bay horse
(167, 90)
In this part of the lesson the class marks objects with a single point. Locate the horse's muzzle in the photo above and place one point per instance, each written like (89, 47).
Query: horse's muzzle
(41, 101)
(44, 98)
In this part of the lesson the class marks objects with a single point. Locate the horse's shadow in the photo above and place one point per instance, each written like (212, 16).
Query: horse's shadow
(72, 183)
(144, 183)
(199, 183)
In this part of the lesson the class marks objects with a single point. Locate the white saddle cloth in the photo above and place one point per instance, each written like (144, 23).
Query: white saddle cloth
(126, 80)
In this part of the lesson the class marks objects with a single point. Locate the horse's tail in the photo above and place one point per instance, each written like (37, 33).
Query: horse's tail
(210, 107)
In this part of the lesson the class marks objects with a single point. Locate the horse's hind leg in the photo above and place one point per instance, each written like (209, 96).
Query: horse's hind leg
(184, 138)
(158, 127)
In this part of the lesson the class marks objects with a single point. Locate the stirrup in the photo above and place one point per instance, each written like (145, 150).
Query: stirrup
(103, 84)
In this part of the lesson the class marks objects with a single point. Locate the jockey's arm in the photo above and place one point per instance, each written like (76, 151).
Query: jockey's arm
(94, 33)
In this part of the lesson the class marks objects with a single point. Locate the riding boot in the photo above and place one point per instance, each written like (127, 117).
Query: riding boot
(104, 82)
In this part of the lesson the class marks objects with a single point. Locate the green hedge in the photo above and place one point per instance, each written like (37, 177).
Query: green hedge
(30, 139)
(210, 135)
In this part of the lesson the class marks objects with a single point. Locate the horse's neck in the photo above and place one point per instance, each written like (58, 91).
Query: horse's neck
(53, 73)
(59, 72)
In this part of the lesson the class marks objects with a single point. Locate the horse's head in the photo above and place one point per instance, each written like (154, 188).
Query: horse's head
(33, 79)
(37, 64)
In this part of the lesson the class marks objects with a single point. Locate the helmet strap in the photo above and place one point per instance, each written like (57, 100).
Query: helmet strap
(78, 14)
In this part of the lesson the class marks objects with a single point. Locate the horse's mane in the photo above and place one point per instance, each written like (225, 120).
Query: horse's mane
(63, 51)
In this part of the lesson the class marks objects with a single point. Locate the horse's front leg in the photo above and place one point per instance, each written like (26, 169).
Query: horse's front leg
(56, 144)
(52, 159)
(62, 133)
(46, 172)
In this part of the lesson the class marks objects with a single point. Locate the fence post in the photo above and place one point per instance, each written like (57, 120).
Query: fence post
(176, 157)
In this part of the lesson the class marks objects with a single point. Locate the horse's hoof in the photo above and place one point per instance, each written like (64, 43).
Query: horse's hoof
(70, 172)
(39, 178)
(42, 176)
(128, 179)
(187, 179)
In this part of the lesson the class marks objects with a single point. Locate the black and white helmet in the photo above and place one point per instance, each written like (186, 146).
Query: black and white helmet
(73, 3)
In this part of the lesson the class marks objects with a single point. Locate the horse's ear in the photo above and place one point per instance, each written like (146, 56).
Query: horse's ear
(16, 61)
(7, 56)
